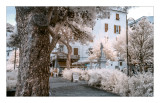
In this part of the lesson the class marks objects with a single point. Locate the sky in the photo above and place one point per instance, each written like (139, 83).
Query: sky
(138, 12)
(11, 15)
(135, 13)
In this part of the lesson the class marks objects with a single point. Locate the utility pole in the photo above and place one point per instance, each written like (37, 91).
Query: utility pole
(127, 45)
(15, 58)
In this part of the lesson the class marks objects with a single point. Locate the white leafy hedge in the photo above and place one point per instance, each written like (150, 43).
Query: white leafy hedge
(11, 76)
(115, 81)
(11, 79)
(141, 84)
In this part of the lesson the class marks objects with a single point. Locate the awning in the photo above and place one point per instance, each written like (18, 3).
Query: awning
(81, 62)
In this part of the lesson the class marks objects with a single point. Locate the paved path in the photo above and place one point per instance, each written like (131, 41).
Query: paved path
(62, 87)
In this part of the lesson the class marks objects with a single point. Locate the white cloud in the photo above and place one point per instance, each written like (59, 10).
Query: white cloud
(138, 12)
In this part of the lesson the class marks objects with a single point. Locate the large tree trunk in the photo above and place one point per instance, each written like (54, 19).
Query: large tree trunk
(69, 48)
(141, 61)
(33, 73)
(68, 62)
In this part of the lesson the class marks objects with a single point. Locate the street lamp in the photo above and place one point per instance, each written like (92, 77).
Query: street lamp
(127, 42)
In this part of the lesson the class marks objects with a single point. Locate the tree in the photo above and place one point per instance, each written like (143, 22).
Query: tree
(120, 45)
(141, 43)
(34, 26)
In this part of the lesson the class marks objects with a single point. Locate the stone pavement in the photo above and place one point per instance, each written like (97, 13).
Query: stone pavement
(60, 87)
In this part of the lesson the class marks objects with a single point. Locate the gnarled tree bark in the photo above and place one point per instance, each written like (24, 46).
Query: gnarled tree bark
(69, 48)
(35, 49)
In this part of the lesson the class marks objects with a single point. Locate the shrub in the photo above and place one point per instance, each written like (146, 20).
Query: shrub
(141, 84)
(11, 79)
(116, 81)
(110, 80)
(67, 73)
(94, 77)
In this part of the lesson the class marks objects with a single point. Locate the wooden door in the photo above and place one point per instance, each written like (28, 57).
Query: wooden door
(75, 51)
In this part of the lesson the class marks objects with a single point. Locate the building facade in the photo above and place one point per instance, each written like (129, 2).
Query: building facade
(105, 29)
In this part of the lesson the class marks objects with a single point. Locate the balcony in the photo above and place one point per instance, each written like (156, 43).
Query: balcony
(64, 57)
(61, 56)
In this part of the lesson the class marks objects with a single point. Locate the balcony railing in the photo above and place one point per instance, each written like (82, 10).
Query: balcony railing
(65, 57)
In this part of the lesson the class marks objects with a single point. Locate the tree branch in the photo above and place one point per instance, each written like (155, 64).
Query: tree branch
(63, 42)
(55, 38)
(50, 11)
(67, 44)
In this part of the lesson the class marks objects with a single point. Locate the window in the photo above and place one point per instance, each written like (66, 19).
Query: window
(75, 51)
(120, 63)
(90, 51)
(117, 29)
(61, 48)
(7, 53)
(106, 27)
(91, 40)
(108, 13)
(106, 38)
(117, 16)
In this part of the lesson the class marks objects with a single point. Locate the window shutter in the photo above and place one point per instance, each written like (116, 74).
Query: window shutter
(114, 28)
(106, 27)
(119, 29)
(75, 51)
(91, 40)
(117, 16)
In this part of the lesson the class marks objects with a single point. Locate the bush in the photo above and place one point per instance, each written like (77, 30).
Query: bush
(11, 76)
(141, 84)
(67, 73)
(11, 79)
(94, 77)
(109, 79)
(116, 81)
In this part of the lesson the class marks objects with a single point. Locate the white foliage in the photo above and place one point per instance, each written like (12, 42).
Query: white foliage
(141, 42)
(11, 79)
(116, 81)
(84, 75)
(110, 80)
(108, 51)
(94, 77)
(141, 84)
(11, 74)
(96, 52)
(67, 73)
(120, 44)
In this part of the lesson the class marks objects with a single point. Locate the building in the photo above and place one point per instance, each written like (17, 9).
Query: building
(104, 29)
